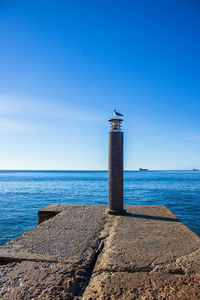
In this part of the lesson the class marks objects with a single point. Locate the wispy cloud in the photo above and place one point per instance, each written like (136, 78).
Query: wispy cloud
(12, 126)
(25, 113)
(11, 112)
(56, 108)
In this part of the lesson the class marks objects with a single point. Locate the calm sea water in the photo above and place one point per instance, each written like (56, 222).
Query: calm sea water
(23, 193)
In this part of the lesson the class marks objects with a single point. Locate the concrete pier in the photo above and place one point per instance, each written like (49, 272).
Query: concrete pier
(80, 252)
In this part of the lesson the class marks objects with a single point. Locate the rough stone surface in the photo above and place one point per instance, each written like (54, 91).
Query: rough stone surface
(71, 236)
(40, 280)
(53, 260)
(148, 254)
(146, 237)
(143, 286)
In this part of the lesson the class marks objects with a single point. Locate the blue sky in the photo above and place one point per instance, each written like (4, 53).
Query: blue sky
(64, 66)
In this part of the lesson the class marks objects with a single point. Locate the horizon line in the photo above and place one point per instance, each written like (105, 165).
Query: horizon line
(90, 170)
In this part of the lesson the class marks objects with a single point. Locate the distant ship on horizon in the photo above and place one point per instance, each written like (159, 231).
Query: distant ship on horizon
(195, 169)
(141, 169)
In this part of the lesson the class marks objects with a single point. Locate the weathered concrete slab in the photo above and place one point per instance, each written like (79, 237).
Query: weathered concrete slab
(146, 237)
(147, 254)
(40, 280)
(52, 210)
(70, 237)
(143, 286)
(147, 251)
(53, 260)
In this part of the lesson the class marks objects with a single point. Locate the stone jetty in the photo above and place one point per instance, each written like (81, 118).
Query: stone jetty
(81, 252)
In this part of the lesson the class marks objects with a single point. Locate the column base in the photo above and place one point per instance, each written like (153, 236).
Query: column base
(115, 212)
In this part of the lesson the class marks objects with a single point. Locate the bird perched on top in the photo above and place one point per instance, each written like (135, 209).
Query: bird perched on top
(116, 114)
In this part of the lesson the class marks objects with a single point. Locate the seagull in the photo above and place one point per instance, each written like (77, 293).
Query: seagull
(116, 114)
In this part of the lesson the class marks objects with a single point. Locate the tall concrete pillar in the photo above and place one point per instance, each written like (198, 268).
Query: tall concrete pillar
(115, 168)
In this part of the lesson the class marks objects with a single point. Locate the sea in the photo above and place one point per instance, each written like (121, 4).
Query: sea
(23, 193)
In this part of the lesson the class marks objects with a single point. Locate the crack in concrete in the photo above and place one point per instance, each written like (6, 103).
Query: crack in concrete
(173, 267)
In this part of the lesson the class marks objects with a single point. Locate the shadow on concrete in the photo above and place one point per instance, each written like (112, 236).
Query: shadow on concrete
(152, 217)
